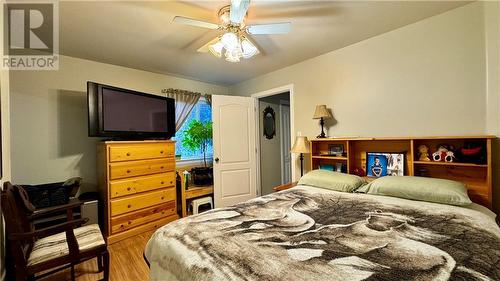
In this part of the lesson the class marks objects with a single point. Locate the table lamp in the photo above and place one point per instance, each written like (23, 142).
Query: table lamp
(322, 113)
(301, 146)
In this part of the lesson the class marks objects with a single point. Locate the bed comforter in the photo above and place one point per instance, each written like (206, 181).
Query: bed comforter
(307, 233)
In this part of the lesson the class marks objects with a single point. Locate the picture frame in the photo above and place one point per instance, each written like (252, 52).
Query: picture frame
(338, 167)
(380, 164)
(336, 149)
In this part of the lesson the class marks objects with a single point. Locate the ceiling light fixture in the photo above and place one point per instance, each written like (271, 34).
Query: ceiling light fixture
(233, 46)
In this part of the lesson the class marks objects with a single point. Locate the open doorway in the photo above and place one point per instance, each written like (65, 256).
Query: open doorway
(274, 141)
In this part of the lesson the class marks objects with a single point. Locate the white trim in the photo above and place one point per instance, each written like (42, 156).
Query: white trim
(192, 162)
(282, 156)
(286, 88)
(284, 103)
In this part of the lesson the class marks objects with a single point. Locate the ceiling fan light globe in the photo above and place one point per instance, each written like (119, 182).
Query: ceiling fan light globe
(230, 41)
(232, 59)
(216, 49)
(233, 55)
(248, 49)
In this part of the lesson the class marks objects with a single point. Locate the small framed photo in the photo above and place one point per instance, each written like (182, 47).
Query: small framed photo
(338, 167)
(336, 149)
(379, 164)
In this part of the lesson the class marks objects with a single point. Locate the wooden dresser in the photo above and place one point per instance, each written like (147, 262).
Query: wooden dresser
(136, 186)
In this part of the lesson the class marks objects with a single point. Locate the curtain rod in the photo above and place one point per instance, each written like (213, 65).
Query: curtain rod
(165, 91)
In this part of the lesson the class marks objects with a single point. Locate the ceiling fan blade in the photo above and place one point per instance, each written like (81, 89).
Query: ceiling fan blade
(204, 48)
(272, 28)
(193, 22)
(238, 10)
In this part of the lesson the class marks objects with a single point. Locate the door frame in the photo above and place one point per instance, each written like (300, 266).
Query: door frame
(271, 92)
(287, 104)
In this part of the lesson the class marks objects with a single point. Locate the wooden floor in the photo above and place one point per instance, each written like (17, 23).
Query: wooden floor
(127, 263)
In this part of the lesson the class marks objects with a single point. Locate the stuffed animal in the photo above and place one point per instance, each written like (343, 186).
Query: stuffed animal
(440, 154)
(449, 157)
(423, 153)
(444, 153)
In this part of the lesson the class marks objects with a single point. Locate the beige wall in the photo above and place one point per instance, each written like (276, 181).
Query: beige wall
(426, 78)
(49, 116)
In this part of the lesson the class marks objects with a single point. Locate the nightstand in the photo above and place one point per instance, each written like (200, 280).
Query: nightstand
(285, 186)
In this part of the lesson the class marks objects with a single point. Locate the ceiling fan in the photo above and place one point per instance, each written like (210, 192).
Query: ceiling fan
(234, 44)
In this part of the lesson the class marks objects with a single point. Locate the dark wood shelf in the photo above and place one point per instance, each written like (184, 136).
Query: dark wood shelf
(343, 158)
(451, 164)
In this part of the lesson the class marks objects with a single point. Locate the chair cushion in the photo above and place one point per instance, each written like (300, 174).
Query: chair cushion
(55, 246)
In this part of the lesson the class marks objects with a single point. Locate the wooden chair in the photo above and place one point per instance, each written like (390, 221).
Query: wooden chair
(56, 247)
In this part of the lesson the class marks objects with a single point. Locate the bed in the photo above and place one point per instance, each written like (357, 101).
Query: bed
(309, 233)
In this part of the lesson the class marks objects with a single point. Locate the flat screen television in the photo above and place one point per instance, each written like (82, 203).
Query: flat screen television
(125, 114)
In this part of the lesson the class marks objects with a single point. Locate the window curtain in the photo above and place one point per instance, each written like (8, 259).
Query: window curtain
(208, 98)
(184, 104)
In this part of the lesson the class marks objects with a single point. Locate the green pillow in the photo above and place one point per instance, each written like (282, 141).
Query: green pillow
(420, 188)
(331, 180)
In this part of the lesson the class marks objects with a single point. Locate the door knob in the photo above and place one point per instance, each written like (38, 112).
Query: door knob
(216, 159)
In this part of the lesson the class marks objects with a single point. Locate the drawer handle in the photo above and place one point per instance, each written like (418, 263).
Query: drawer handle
(171, 182)
(128, 171)
(129, 222)
(161, 167)
(162, 198)
(129, 206)
(128, 188)
(128, 153)
(162, 182)
(161, 152)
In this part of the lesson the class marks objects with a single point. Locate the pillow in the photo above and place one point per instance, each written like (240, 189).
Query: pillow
(420, 188)
(331, 180)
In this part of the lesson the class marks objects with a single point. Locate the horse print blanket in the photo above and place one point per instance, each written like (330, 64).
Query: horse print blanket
(307, 233)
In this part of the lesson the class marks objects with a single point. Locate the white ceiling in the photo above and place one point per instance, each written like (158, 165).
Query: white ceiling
(141, 34)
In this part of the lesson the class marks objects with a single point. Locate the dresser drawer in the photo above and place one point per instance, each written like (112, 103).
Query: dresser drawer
(140, 168)
(113, 238)
(134, 219)
(141, 151)
(141, 201)
(135, 185)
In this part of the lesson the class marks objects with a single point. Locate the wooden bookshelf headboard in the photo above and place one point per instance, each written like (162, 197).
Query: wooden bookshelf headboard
(476, 176)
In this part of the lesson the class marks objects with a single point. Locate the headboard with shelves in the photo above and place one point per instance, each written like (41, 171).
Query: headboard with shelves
(477, 175)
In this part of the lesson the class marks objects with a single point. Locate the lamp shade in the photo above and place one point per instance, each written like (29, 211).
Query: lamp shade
(301, 145)
(322, 112)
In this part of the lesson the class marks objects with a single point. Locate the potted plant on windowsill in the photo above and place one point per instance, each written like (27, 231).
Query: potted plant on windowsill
(198, 136)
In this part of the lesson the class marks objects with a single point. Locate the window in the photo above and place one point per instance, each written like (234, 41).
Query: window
(202, 112)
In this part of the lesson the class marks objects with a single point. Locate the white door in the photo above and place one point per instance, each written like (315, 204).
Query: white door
(235, 166)
(286, 157)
